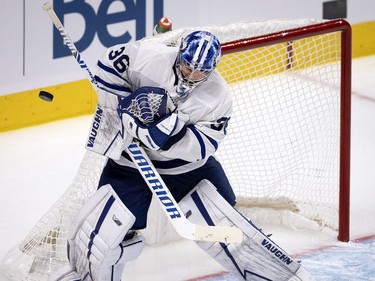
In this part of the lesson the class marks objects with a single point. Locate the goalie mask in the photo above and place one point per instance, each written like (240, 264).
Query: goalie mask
(198, 56)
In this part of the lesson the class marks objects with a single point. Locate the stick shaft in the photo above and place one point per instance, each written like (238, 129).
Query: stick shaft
(73, 49)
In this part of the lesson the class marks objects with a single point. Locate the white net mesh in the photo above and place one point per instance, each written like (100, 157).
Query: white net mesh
(282, 148)
(289, 132)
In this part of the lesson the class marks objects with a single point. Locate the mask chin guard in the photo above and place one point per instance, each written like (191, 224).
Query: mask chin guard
(184, 90)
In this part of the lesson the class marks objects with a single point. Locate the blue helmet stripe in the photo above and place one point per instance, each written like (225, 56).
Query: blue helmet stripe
(201, 53)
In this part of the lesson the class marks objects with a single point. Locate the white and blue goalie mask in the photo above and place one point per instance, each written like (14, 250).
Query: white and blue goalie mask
(198, 56)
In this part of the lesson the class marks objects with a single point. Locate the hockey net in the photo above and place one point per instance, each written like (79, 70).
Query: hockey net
(288, 139)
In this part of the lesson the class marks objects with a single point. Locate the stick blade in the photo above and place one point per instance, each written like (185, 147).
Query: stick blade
(224, 234)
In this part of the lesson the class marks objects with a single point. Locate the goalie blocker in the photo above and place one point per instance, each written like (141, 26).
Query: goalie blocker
(257, 258)
(145, 105)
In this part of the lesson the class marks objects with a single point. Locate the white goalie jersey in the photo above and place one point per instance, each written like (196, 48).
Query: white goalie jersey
(205, 112)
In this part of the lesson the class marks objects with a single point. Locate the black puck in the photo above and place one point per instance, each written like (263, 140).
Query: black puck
(45, 96)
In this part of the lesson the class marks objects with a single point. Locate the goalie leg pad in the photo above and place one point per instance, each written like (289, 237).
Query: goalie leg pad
(131, 248)
(64, 273)
(257, 257)
(95, 240)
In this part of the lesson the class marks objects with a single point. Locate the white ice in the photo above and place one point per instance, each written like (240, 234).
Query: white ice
(39, 163)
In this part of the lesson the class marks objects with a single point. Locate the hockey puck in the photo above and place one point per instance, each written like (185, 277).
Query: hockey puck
(45, 96)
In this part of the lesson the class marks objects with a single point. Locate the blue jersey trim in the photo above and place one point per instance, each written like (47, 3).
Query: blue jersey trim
(110, 70)
(112, 86)
(212, 141)
(174, 139)
(200, 140)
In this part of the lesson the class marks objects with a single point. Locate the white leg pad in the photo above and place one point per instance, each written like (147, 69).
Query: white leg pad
(132, 248)
(257, 257)
(64, 273)
(96, 249)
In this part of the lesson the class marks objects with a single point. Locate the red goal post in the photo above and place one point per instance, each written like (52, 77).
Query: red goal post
(344, 29)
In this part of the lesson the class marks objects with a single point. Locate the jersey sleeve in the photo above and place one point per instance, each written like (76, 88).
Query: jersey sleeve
(113, 69)
(199, 140)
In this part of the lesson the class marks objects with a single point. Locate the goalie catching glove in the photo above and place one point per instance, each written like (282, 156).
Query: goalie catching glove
(146, 104)
(155, 135)
(148, 116)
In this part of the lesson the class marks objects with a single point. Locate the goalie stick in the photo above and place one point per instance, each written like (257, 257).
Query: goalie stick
(149, 173)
